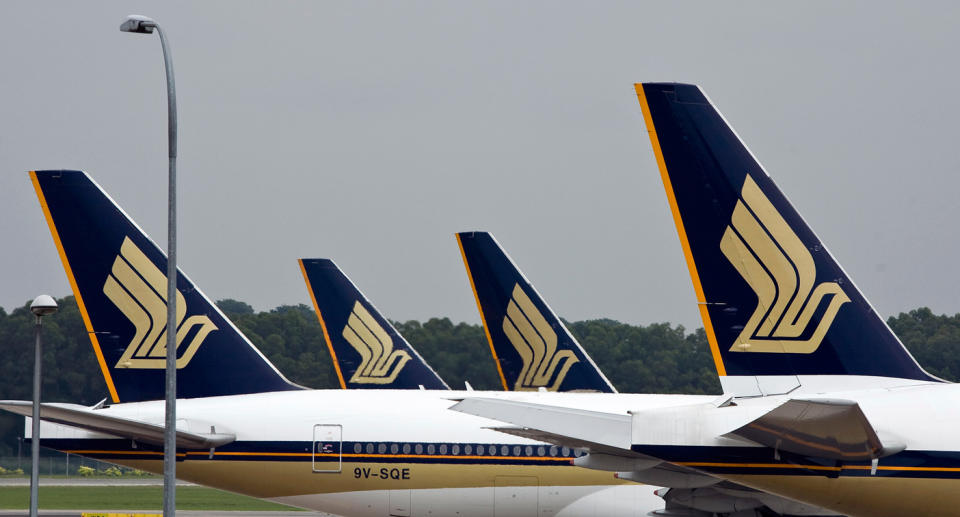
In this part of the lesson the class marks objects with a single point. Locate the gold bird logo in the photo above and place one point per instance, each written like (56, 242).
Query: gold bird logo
(770, 257)
(536, 342)
(139, 289)
(380, 363)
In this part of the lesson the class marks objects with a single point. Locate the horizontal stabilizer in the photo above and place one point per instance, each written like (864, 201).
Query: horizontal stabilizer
(826, 428)
(92, 420)
(589, 426)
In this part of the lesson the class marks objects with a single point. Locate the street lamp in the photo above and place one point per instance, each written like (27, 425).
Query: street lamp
(42, 305)
(143, 25)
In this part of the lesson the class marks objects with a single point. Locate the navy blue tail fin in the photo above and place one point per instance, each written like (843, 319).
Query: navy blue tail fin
(367, 351)
(774, 301)
(118, 278)
(532, 347)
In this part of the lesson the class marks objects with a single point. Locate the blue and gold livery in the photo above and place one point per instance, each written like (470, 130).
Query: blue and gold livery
(367, 351)
(118, 278)
(772, 298)
(532, 347)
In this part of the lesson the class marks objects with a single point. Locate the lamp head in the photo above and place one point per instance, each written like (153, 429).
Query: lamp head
(43, 305)
(139, 24)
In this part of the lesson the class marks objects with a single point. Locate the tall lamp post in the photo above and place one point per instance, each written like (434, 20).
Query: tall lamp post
(143, 25)
(42, 305)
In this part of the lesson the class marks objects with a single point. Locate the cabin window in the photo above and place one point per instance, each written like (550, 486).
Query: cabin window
(406, 448)
(566, 451)
(357, 448)
(479, 450)
(382, 448)
(418, 448)
(431, 449)
(394, 448)
(455, 449)
(369, 448)
(541, 451)
(468, 449)
(504, 450)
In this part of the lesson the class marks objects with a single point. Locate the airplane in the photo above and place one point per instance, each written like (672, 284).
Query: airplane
(367, 351)
(822, 403)
(244, 427)
(490, 268)
(530, 344)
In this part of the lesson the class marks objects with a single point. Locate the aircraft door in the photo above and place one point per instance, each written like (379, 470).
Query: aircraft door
(516, 496)
(400, 503)
(327, 456)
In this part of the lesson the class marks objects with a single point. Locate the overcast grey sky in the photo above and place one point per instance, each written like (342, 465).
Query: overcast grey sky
(370, 132)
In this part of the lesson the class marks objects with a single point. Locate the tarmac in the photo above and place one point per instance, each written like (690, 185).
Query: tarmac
(181, 513)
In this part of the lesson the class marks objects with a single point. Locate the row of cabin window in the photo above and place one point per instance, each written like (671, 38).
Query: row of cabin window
(468, 450)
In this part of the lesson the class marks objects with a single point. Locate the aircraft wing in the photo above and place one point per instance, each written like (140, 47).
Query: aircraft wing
(560, 440)
(606, 435)
(75, 415)
(596, 427)
(608, 438)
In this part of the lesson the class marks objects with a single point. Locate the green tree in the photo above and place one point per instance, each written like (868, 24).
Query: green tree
(459, 353)
(233, 308)
(934, 340)
(291, 337)
(70, 370)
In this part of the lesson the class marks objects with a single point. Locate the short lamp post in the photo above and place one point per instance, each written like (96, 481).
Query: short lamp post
(142, 25)
(42, 305)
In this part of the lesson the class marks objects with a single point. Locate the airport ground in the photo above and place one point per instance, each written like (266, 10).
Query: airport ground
(77, 496)
(194, 513)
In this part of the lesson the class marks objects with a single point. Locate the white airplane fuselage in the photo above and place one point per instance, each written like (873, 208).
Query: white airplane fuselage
(403, 453)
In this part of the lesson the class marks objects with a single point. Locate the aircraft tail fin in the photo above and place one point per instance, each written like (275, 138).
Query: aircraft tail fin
(118, 276)
(775, 303)
(532, 347)
(367, 351)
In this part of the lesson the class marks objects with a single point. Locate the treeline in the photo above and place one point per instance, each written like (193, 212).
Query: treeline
(657, 358)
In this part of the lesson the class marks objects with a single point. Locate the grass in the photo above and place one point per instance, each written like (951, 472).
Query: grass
(132, 498)
(98, 475)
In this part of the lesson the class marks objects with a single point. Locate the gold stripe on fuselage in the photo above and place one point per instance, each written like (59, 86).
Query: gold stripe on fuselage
(270, 479)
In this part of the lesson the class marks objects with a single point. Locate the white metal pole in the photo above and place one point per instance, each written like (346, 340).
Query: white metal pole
(170, 437)
(144, 25)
